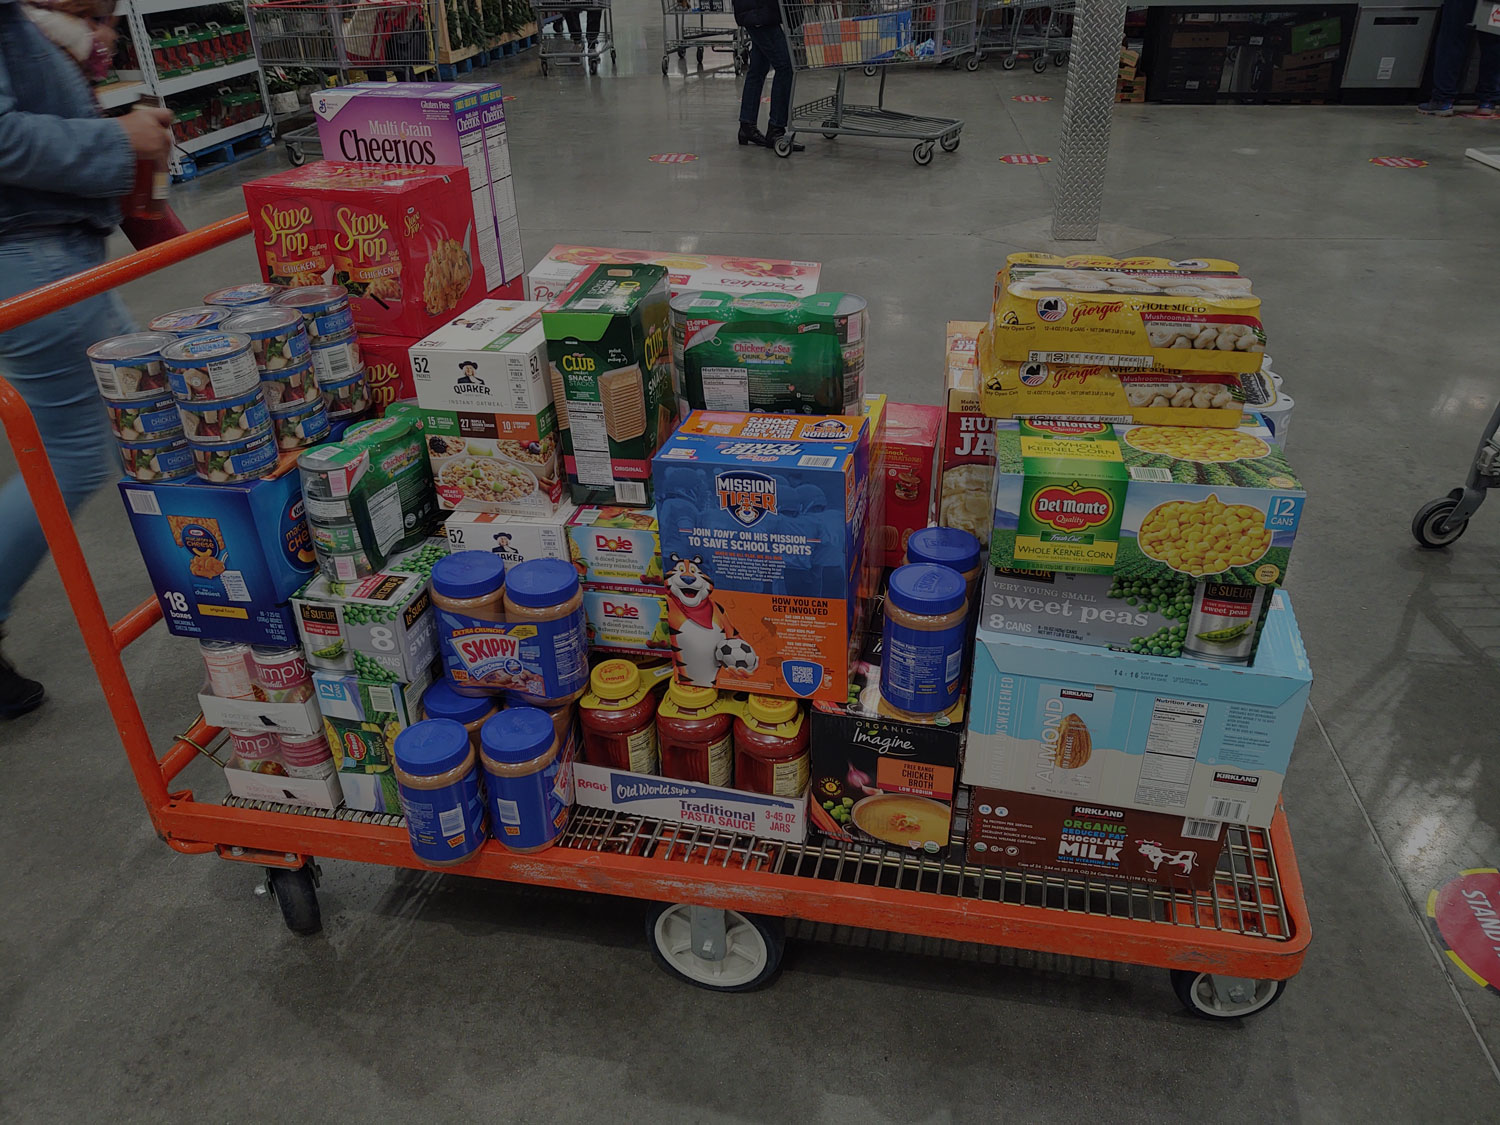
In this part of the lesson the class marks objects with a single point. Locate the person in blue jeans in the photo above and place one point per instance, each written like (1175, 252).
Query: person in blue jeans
(761, 20)
(63, 168)
(1451, 53)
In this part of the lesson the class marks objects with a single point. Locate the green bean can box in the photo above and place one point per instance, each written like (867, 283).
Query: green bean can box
(608, 347)
(362, 719)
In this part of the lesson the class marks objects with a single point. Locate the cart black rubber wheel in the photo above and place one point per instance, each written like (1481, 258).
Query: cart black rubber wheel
(1008, 62)
(830, 125)
(593, 66)
(922, 154)
(1430, 516)
(870, 71)
(783, 147)
(1060, 58)
(1198, 995)
(971, 63)
(295, 156)
(297, 894)
(754, 947)
(949, 141)
(1039, 64)
(665, 63)
(544, 69)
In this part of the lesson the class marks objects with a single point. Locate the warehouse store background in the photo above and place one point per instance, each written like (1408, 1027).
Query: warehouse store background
(142, 983)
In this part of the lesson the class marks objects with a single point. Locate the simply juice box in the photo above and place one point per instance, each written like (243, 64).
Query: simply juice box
(1199, 521)
(607, 341)
(763, 521)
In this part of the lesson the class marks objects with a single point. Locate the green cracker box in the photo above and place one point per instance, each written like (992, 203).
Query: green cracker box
(608, 348)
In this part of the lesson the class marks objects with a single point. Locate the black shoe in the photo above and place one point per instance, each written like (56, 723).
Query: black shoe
(775, 133)
(18, 695)
(750, 135)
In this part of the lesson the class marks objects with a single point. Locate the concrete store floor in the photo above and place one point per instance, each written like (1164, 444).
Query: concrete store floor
(140, 984)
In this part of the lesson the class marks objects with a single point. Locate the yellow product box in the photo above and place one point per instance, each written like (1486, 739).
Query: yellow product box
(1158, 397)
(967, 456)
(1197, 315)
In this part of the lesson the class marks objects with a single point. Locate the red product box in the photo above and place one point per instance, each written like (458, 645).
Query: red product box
(400, 239)
(913, 435)
(387, 369)
(968, 453)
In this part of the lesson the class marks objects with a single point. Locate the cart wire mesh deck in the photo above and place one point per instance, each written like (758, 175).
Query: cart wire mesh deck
(556, 43)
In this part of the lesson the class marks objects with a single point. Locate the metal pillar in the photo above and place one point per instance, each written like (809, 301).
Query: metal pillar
(1083, 154)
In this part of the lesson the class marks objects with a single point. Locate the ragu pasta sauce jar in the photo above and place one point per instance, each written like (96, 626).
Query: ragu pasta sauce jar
(771, 747)
(695, 735)
(618, 717)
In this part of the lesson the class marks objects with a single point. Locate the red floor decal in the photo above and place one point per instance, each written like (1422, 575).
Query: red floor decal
(1031, 97)
(1466, 912)
(672, 157)
(1398, 162)
(1024, 158)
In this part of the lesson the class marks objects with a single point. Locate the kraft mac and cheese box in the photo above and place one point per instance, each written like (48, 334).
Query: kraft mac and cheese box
(764, 521)
(431, 123)
(1186, 737)
(224, 559)
(608, 346)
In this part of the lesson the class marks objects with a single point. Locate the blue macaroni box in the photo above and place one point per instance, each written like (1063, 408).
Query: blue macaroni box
(224, 559)
(763, 522)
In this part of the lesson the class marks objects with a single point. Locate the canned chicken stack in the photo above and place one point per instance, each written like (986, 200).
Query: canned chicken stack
(142, 411)
(224, 414)
(278, 341)
(334, 351)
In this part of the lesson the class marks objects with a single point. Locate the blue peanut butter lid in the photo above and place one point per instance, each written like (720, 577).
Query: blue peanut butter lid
(927, 590)
(440, 701)
(944, 546)
(538, 583)
(469, 574)
(517, 734)
(431, 747)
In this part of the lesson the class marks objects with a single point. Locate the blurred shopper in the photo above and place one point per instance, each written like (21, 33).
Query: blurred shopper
(1451, 53)
(62, 169)
(761, 20)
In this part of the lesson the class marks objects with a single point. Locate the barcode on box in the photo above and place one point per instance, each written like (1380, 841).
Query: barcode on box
(143, 503)
(1221, 808)
(1156, 476)
(1200, 829)
(451, 822)
(630, 492)
(810, 462)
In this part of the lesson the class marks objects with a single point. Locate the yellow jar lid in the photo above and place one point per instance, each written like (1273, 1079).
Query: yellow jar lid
(770, 710)
(691, 697)
(614, 680)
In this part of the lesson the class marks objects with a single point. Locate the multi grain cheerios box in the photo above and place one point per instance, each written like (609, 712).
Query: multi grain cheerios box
(764, 525)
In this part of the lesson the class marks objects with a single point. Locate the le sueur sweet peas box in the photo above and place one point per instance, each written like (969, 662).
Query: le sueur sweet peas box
(400, 239)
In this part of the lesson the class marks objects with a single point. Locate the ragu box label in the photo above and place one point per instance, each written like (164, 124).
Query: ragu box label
(909, 476)
(968, 444)
(387, 369)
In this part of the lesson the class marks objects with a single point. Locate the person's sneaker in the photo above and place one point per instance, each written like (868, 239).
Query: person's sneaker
(1436, 108)
(1484, 109)
(18, 695)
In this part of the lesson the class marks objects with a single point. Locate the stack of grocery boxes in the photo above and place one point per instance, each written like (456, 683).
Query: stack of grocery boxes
(1138, 675)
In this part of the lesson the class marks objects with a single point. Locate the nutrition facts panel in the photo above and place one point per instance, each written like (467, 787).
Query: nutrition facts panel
(590, 442)
(1171, 752)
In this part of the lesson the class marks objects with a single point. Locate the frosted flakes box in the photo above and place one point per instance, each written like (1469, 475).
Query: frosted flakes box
(763, 521)
(685, 271)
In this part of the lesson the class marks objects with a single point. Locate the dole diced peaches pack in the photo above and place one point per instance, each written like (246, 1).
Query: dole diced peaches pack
(400, 239)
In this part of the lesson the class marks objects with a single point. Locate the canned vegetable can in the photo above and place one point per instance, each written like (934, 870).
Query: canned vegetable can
(130, 367)
(290, 388)
(324, 308)
(303, 426)
(215, 365)
(190, 322)
(336, 360)
(347, 398)
(166, 459)
(147, 419)
(225, 421)
(231, 464)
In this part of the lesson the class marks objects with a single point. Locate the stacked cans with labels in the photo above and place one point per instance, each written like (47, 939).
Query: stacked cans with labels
(248, 296)
(224, 414)
(278, 341)
(190, 321)
(334, 349)
(142, 412)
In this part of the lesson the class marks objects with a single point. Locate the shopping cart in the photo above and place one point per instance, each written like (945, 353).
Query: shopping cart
(1440, 522)
(707, 25)
(557, 44)
(1033, 28)
(378, 35)
(873, 35)
(720, 899)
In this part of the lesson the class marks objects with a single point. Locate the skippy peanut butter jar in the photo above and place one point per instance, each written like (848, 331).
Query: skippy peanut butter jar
(764, 521)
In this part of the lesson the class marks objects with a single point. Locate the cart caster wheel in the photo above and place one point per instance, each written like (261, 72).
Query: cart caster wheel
(971, 63)
(830, 125)
(1039, 65)
(700, 58)
(1430, 517)
(1224, 998)
(593, 66)
(949, 142)
(682, 56)
(753, 946)
(1060, 59)
(870, 71)
(297, 894)
(612, 59)
(1008, 62)
(665, 63)
(783, 147)
(544, 69)
(295, 156)
(922, 154)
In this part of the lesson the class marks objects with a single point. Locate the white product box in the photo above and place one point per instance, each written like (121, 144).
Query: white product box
(687, 802)
(1162, 734)
(250, 714)
(514, 538)
(491, 359)
(685, 271)
(308, 792)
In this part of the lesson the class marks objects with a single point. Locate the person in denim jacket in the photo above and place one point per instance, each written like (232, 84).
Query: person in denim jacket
(63, 169)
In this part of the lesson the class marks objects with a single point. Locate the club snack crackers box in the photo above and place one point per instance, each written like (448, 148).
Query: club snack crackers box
(361, 719)
(1084, 840)
(514, 538)
(387, 369)
(880, 780)
(400, 239)
(763, 521)
(224, 559)
(1190, 738)
(909, 478)
(685, 272)
(1199, 521)
(769, 352)
(1162, 397)
(607, 342)
(968, 451)
(1130, 313)
(435, 123)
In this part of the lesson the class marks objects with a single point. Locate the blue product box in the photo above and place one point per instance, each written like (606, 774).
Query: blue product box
(1203, 740)
(224, 559)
